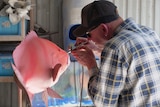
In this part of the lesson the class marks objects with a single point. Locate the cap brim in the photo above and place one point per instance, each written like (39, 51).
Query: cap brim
(80, 31)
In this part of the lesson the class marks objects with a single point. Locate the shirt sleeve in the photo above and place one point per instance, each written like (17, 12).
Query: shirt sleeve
(106, 83)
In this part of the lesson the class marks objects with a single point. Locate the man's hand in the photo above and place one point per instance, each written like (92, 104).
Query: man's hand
(85, 56)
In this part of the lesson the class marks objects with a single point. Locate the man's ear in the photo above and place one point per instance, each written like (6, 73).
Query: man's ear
(105, 29)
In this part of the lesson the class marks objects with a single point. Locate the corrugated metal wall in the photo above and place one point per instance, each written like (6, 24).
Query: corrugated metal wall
(8, 95)
(48, 14)
(145, 12)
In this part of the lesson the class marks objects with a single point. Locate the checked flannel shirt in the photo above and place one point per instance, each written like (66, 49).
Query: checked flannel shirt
(129, 71)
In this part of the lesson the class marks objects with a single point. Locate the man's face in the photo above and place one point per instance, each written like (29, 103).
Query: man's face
(97, 35)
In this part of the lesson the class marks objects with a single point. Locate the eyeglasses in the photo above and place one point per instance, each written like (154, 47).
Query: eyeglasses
(88, 35)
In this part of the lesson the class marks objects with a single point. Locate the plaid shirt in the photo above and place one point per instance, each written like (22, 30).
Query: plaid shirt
(129, 72)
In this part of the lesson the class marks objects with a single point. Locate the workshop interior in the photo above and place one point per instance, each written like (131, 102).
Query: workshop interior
(54, 21)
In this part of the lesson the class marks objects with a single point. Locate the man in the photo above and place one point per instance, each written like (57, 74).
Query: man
(129, 71)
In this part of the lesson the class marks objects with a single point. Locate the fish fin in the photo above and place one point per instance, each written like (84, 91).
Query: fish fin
(55, 71)
(45, 97)
(19, 81)
(53, 94)
(32, 33)
(17, 73)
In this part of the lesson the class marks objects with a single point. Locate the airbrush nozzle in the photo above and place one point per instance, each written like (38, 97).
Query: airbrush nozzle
(76, 47)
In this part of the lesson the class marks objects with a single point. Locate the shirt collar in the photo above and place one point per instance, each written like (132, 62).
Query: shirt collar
(126, 24)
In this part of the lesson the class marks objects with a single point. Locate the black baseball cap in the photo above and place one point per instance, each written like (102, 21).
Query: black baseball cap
(94, 14)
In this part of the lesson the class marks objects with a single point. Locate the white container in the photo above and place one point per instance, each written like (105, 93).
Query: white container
(71, 12)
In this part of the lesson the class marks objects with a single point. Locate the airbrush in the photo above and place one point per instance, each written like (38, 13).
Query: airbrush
(76, 47)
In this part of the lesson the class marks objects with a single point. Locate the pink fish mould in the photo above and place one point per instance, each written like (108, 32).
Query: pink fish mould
(38, 65)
